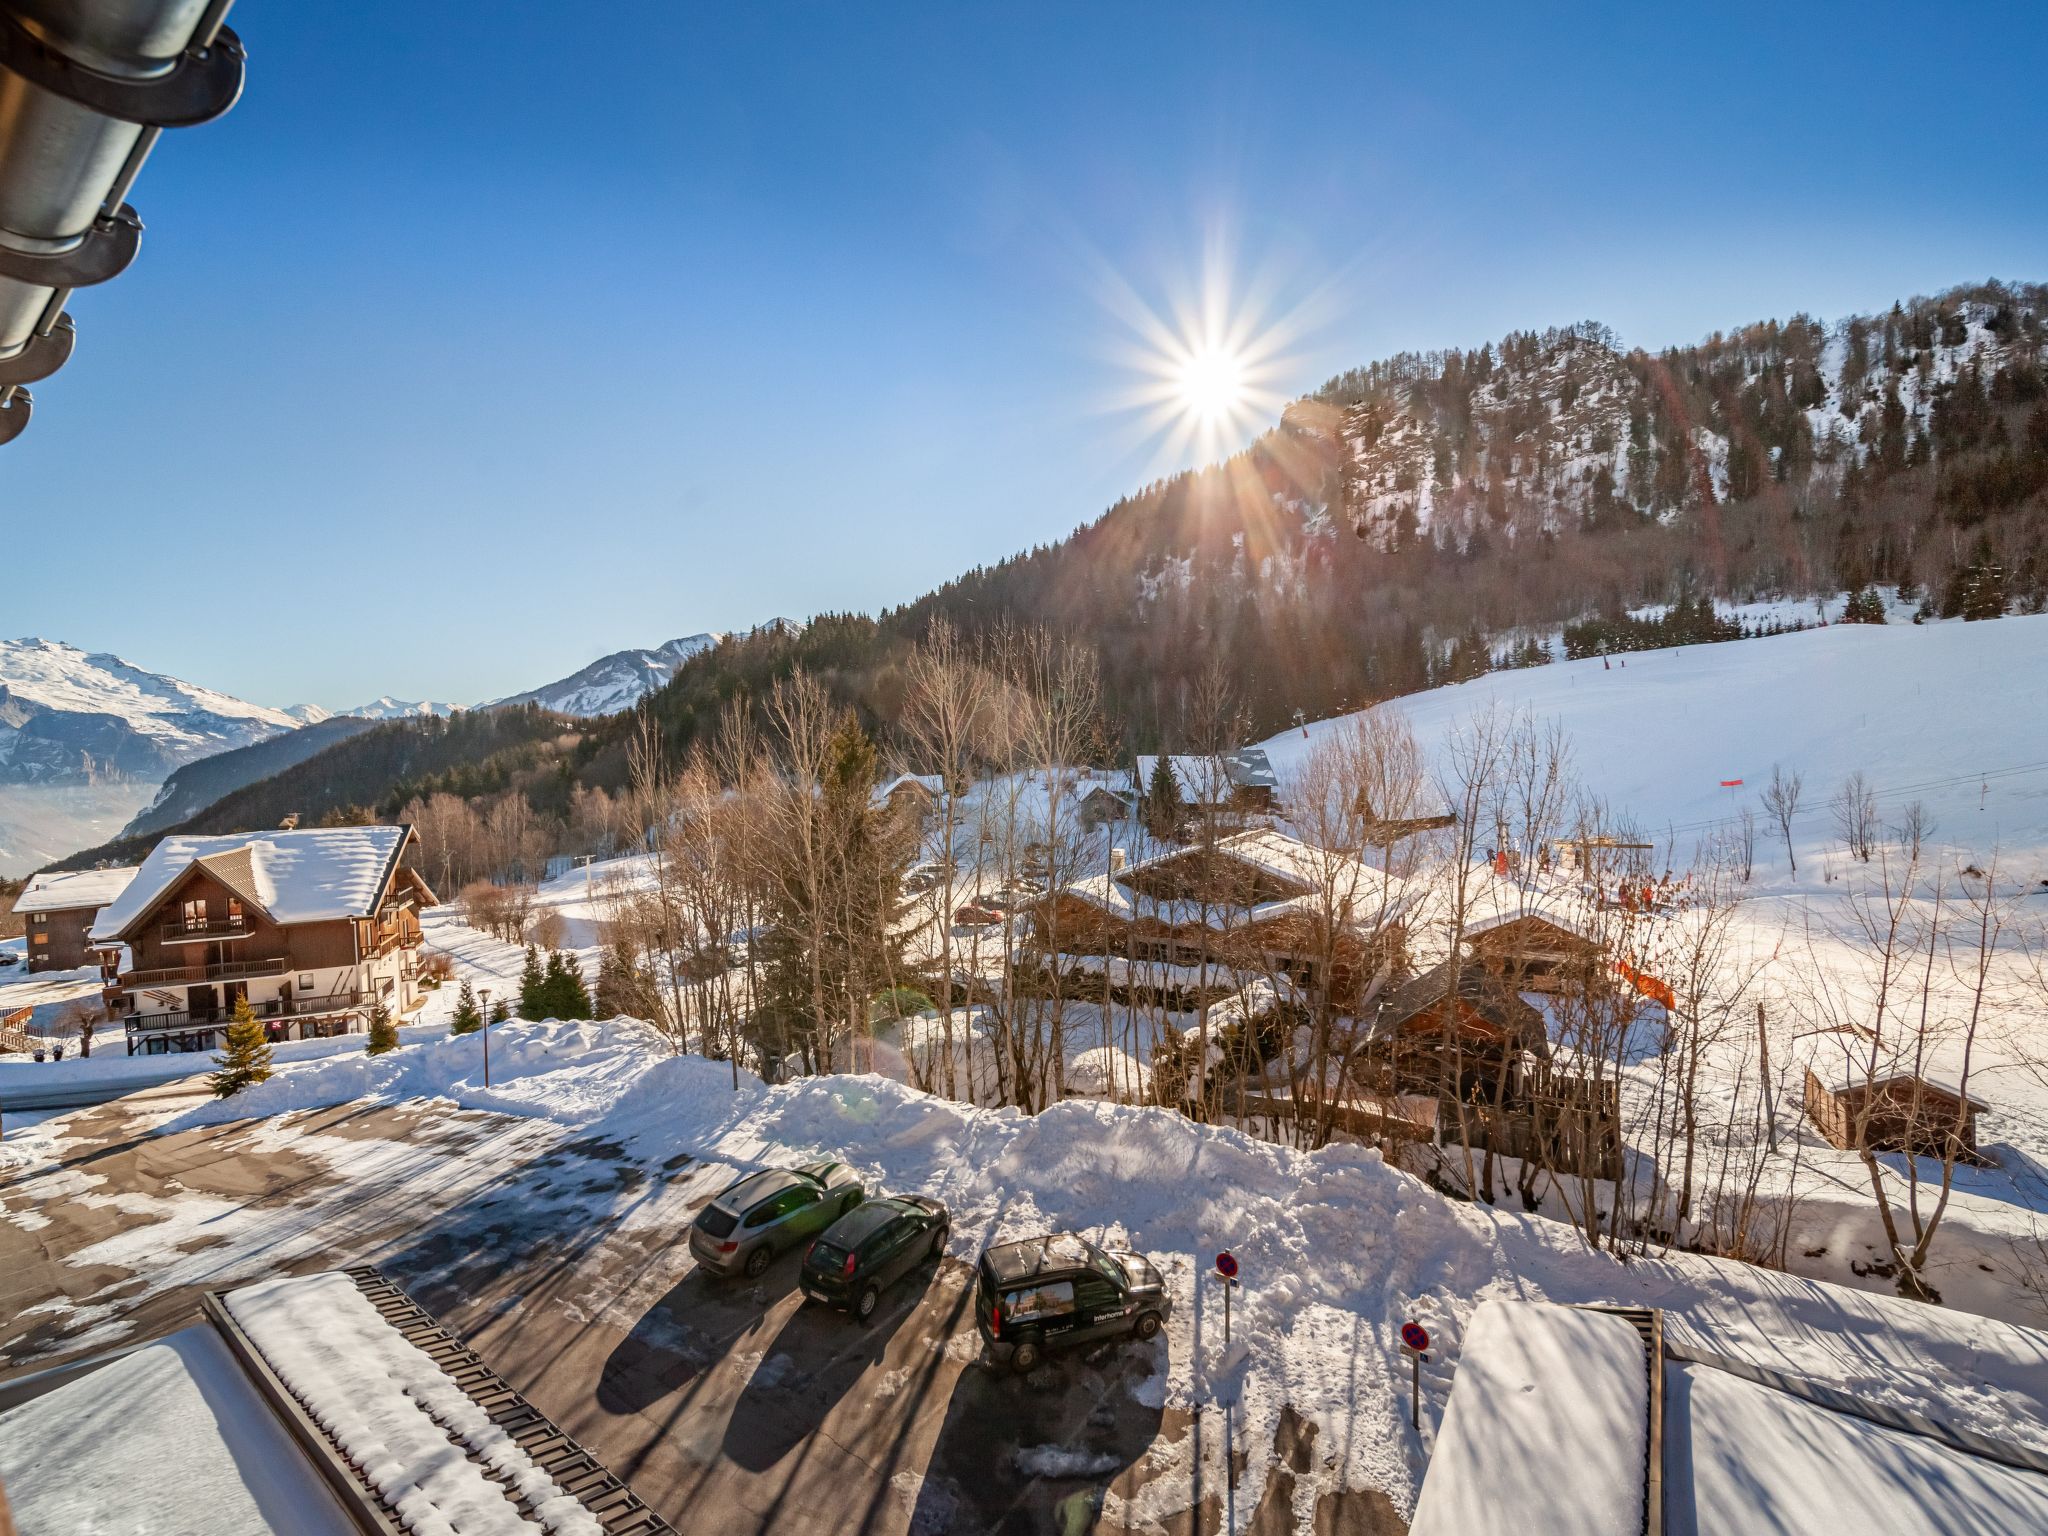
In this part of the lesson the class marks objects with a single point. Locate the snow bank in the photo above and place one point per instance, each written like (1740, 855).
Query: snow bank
(582, 1069)
(1548, 1429)
(397, 1415)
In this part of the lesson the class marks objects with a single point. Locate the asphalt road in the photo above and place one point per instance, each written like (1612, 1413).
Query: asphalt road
(729, 1406)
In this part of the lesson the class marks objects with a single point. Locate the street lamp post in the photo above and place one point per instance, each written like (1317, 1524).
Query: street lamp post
(485, 994)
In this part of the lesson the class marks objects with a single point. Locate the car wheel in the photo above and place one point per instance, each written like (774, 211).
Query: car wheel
(758, 1261)
(1148, 1325)
(865, 1303)
(939, 1235)
(1024, 1358)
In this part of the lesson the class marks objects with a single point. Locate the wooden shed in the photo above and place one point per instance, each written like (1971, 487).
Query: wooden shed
(1905, 1114)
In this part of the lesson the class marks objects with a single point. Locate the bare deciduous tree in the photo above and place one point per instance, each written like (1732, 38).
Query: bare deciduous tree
(1781, 799)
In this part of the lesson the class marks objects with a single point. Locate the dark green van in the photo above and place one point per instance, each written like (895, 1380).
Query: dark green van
(1060, 1291)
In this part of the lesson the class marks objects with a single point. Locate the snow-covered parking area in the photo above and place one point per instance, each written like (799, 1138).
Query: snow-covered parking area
(548, 1234)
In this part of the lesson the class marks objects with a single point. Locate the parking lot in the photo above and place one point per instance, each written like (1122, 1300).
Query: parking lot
(727, 1405)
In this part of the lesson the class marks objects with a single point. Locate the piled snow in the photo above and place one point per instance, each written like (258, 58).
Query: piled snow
(397, 1415)
(1338, 1248)
(1541, 1390)
(193, 1448)
(306, 876)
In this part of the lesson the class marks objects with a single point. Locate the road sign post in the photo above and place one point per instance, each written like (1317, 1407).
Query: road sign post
(1226, 1266)
(1415, 1339)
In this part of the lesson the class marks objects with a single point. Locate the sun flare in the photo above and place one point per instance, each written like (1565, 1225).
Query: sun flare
(1208, 367)
(1213, 386)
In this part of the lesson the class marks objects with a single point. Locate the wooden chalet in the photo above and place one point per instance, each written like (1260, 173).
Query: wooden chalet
(1905, 1113)
(1104, 806)
(1239, 781)
(1466, 1010)
(57, 912)
(1202, 921)
(1538, 952)
(1385, 831)
(311, 927)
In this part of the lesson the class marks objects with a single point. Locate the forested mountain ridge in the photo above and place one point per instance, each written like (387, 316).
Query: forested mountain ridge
(1431, 517)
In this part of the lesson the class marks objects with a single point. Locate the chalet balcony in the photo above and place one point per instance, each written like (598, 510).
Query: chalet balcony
(194, 975)
(203, 930)
(297, 1008)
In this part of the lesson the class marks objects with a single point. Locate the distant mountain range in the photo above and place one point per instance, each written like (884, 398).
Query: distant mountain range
(71, 717)
(613, 684)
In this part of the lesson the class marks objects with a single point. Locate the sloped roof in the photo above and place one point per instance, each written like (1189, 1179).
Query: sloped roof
(82, 888)
(1242, 768)
(315, 874)
(1373, 895)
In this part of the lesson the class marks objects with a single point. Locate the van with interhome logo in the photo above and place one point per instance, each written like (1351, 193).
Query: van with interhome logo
(1061, 1291)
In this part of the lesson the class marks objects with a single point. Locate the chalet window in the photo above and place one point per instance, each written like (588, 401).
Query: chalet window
(41, 918)
(234, 909)
(195, 912)
(305, 983)
(42, 938)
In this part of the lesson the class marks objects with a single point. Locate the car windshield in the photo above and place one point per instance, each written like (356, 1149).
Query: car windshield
(717, 1222)
(1106, 1265)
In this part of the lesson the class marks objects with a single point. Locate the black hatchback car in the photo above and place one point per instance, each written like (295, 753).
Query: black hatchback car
(1061, 1290)
(864, 1252)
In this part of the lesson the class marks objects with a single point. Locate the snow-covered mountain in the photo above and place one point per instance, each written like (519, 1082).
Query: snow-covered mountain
(69, 716)
(308, 714)
(615, 683)
(384, 707)
(1540, 430)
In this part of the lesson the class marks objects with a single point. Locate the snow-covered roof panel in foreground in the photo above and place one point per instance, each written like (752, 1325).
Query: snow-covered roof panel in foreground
(1547, 1427)
(317, 874)
(1741, 1456)
(169, 1438)
(69, 892)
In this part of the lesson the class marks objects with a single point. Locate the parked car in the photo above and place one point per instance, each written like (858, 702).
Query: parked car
(867, 1250)
(1061, 1290)
(752, 1220)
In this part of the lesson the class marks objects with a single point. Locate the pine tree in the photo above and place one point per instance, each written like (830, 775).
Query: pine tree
(533, 995)
(562, 992)
(1162, 808)
(246, 1057)
(500, 1012)
(468, 1017)
(383, 1031)
(624, 988)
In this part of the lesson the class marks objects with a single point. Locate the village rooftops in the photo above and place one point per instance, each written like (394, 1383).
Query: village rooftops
(311, 875)
(1281, 874)
(74, 892)
(931, 783)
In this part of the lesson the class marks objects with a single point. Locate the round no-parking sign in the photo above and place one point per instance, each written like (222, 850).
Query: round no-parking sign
(1226, 1264)
(1415, 1336)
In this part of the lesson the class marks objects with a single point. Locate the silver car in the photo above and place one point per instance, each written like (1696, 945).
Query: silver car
(749, 1222)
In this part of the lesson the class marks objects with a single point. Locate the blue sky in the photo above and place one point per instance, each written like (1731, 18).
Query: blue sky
(475, 343)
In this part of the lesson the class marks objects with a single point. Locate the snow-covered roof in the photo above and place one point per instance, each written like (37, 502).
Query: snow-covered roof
(170, 1437)
(315, 874)
(1241, 768)
(1546, 1431)
(1547, 1428)
(1373, 896)
(68, 893)
(931, 783)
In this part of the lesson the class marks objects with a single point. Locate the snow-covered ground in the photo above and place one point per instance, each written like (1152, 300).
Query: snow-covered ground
(1954, 715)
(1337, 1248)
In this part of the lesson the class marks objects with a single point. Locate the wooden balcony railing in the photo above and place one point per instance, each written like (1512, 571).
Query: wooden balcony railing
(225, 970)
(201, 930)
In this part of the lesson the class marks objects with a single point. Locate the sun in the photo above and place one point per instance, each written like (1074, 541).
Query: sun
(1206, 368)
(1214, 385)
